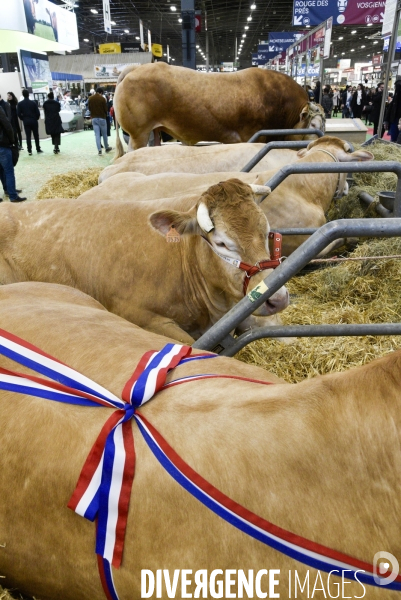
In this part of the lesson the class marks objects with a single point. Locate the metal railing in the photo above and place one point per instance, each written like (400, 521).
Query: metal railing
(217, 338)
(274, 146)
(262, 132)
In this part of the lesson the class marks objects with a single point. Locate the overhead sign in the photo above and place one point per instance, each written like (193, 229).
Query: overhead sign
(279, 41)
(327, 38)
(311, 71)
(377, 59)
(386, 43)
(198, 23)
(106, 16)
(131, 47)
(47, 20)
(266, 52)
(112, 48)
(389, 16)
(344, 12)
(36, 71)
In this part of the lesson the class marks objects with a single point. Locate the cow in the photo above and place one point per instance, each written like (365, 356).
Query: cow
(299, 201)
(320, 459)
(221, 107)
(117, 253)
(197, 159)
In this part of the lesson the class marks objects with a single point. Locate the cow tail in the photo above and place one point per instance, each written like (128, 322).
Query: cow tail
(119, 147)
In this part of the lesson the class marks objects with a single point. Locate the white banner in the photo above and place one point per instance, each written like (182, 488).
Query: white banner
(141, 35)
(149, 41)
(106, 16)
(327, 37)
(112, 71)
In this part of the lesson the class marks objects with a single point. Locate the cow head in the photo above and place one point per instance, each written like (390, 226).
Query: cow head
(312, 116)
(341, 151)
(231, 223)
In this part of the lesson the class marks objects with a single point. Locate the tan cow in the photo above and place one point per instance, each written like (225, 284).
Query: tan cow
(197, 159)
(115, 253)
(299, 201)
(320, 459)
(221, 107)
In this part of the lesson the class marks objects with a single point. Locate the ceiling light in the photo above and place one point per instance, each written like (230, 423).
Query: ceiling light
(113, 23)
(180, 20)
(253, 6)
(352, 50)
(173, 59)
(249, 19)
(173, 8)
(126, 30)
(342, 53)
(335, 56)
(307, 26)
(137, 37)
(340, 38)
(164, 54)
(244, 35)
(246, 27)
(94, 11)
(363, 46)
(376, 42)
(86, 40)
(369, 24)
(354, 31)
(197, 46)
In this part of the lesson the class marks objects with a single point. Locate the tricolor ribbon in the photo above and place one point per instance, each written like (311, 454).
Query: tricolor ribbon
(104, 486)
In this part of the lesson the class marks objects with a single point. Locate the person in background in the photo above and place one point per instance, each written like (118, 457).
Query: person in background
(399, 132)
(28, 112)
(336, 101)
(392, 115)
(376, 102)
(6, 107)
(346, 102)
(12, 100)
(98, 109)
(327, 102)
(53, 123)
(7, 174)
(358, 101)
(316, 91)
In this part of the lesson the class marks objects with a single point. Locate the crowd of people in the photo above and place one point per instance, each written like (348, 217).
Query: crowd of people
(362, 102)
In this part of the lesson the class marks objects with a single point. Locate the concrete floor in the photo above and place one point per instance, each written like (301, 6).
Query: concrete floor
(78, 151)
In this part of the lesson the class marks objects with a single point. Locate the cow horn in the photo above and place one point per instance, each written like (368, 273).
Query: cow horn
(204, 220)
(260, 189)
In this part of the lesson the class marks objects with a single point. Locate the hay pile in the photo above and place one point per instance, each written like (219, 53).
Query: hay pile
(350, 207)
(350, 292)
(5, 595)
(69, 185)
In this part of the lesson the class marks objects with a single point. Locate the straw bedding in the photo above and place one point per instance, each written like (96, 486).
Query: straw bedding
(69, 185)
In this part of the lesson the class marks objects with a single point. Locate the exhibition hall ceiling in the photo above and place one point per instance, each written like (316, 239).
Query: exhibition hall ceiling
(226, 22)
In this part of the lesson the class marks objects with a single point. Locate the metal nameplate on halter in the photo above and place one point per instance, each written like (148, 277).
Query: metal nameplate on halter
(257, 291)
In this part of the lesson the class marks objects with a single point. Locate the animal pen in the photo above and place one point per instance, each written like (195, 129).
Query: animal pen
(218, 338)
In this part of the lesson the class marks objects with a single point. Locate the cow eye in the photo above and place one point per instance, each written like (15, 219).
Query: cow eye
(221, 245)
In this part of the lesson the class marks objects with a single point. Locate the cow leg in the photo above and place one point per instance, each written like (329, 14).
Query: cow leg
(139, 141)
(169, 329)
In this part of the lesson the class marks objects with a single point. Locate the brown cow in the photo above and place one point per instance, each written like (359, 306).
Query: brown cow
(299, 201)
(222, 107)
(197, 159)
(110, 251)
(320, 458)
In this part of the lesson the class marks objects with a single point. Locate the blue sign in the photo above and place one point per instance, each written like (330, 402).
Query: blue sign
(387, 44)
(279, 41)
(265, 53)
(256, 61)
(344, 12)
(311, 71)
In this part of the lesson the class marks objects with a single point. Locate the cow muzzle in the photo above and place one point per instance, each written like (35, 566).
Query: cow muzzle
(278, 302)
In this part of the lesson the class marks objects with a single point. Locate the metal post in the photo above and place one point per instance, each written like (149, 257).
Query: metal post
(295, 262)
(207, 43)
(188, 34)
(392, 46)
(321, 71)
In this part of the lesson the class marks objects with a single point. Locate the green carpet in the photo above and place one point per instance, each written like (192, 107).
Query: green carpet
(78, 151)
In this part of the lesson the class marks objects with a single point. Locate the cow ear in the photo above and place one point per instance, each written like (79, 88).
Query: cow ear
(183, 222)
(358, 155)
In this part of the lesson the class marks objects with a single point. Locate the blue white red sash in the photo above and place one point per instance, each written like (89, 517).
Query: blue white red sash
(104, 486)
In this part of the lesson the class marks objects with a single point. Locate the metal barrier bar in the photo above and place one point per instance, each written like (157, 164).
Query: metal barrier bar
(273, 146)
(216, 335)
(262, 132)
(379, 208)
(345, 167)
(311, 331)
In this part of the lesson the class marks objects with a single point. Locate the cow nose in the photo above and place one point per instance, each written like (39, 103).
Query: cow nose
(278, 302)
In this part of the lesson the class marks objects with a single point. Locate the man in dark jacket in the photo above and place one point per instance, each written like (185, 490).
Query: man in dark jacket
(6, 107)
(7, 175)
(376, 105)
(28, 112)
(98, 109)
